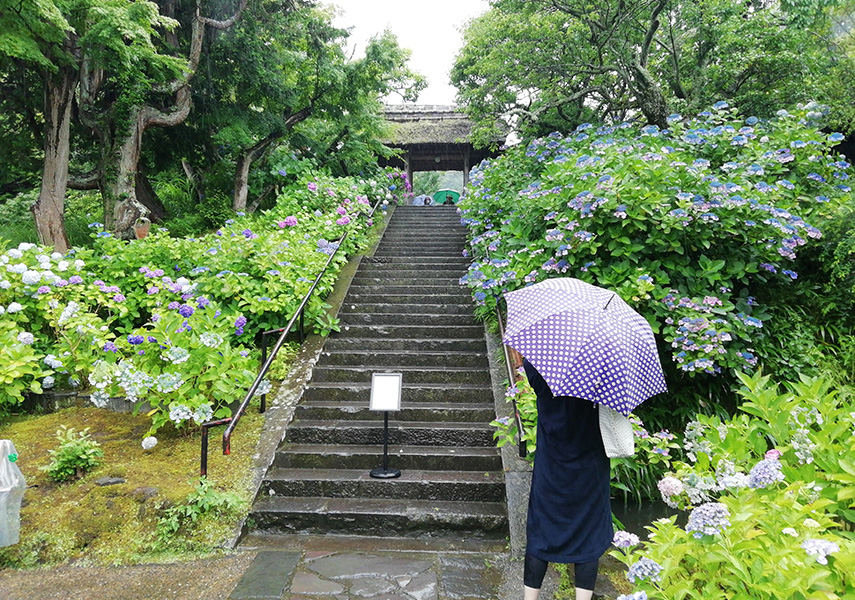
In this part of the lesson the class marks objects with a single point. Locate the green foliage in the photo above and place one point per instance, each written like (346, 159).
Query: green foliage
(426, 182)
(771, 492)
(77, 454)
(16, 220)
(695, 227)
(21, 370)
(169, 324)
(204, 500)
(546, 66)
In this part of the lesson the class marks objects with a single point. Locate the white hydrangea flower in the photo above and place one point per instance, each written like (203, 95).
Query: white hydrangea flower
(180, 413)
(62, 266)
(24, 246)
(15, 253)
(5, 284)
(14, 307)
(79, 264)
(68, 312)
(26, 338)
(18, 268)
(99, 398)
(203, 413)
(56, 255)
(31, 277)
(210, 339)
(48, 382)
(149, 442)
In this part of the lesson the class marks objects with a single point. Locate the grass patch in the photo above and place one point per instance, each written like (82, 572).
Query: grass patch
(86, 523)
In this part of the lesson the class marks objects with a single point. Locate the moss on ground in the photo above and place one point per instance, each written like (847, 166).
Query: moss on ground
(86, 523)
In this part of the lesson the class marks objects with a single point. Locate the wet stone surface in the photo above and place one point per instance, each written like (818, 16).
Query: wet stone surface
(357, 576)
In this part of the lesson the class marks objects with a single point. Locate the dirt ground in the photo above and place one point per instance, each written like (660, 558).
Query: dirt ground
(211, 579)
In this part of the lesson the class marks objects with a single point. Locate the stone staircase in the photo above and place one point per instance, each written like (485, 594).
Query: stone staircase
(404, 312)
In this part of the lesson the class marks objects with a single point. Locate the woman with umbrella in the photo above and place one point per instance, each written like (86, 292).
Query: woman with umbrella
(584, 347)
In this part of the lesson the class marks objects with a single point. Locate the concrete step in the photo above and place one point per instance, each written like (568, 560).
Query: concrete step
(417, 263)
(401, 318)
(337, 342)
(449, 376)
(442, 283)
(389, 357)
(422, 331)
(413, 484)
(404, 250)
(411, 433)
(413, 275)
(416, 307)
(410, 393)
(385, 251)
(377, 261)
(382, 517)
(352, 456)
(447, 412)
(408, 294)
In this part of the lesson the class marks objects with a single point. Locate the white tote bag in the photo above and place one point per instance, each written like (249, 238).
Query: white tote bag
(616, 430)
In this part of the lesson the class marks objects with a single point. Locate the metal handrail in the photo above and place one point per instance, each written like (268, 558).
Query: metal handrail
(233, 420)
(511, 381)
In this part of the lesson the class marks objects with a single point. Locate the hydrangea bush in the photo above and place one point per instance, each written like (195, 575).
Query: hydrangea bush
(770, 496)
(697, 226)
(169, 324)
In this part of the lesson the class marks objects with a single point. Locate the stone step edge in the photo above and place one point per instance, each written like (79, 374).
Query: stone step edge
(287, 504)
(396, 449)
(407, 475)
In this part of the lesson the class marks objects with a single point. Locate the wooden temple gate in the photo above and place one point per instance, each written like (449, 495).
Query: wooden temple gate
(431, 138)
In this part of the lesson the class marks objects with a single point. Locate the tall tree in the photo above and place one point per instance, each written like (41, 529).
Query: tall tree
(120, 100)
(541, 61)
(283, 65)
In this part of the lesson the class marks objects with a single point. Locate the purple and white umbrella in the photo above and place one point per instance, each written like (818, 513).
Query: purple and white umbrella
(586, 342)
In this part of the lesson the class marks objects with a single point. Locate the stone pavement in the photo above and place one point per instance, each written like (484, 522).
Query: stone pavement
(316, 575)
(301, 567)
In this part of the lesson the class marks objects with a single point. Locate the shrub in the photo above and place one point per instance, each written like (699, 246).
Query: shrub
(769, 494)
(171, 322)
(696, 227)
(203, 500)
(77, 455)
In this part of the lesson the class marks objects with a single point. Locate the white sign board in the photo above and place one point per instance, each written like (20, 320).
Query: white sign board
(385, 391)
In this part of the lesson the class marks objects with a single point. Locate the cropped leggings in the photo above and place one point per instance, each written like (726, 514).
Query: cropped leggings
(535, 569)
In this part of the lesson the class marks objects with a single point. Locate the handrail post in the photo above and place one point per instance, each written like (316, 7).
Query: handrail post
(263, 405)
(511, 381)
(203, 467)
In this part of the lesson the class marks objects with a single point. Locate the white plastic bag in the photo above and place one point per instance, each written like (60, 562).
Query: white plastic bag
(616, 430)
(12, 485)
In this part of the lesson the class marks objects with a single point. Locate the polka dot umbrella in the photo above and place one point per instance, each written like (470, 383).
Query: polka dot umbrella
(586, 342)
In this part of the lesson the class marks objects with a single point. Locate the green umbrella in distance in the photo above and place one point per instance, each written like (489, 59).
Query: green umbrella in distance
(446, 197)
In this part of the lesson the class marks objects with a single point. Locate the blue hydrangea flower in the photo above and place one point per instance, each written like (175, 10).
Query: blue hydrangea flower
(708, 519)
(765, 473)
(645, 569)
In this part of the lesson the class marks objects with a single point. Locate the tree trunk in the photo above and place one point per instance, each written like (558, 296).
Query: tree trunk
(651, 100)
(121, 207)
(49, 208)
(149, 198)
(247, 157)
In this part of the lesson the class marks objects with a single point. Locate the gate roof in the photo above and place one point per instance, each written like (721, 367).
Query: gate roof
(433, 138)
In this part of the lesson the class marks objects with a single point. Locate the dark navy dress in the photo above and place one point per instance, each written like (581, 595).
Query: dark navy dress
(569, 510)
